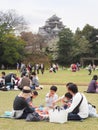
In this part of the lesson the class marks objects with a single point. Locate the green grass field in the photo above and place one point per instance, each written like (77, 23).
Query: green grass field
(59, 79)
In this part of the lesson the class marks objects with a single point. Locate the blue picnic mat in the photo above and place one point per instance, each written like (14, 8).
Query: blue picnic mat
(7, 114)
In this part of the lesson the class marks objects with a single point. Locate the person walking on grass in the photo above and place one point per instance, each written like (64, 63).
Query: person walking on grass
(90, 69)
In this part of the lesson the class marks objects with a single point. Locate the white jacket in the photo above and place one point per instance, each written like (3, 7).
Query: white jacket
(83, 108)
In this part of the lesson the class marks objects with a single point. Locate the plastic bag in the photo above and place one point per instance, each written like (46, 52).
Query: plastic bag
(58, 115)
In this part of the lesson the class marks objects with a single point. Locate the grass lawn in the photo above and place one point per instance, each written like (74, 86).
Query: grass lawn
(60, 78)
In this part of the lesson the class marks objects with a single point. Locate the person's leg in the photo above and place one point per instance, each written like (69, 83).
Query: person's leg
(24, 115)
(33, 87)
(37, 71)
(1, 84)
(42, 71)
(74, 117)
(54, 70)
(89, 72)
(93, 91)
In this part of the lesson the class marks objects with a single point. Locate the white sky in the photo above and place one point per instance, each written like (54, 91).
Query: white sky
(73, 13)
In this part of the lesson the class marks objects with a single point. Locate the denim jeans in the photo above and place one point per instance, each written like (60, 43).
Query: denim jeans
(72, 116)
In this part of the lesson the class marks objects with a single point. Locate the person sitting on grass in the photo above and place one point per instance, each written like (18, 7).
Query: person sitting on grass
(93, 87)
(34, 94)
(2, 79)
(24, 81)
(35, 82)
(10, 80)
(23, 110)
(51, 97)
(65, 99)
(20, 106)
(79, 106)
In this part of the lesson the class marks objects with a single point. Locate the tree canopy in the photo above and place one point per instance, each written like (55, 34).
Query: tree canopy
(65, 46)
(11, 46)
(74, 46)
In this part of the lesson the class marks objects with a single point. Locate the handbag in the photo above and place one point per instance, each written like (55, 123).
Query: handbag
(58, 115)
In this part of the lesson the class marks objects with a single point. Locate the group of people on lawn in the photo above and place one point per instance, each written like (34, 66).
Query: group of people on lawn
(73, 98)
(11, 81)
(73, 102)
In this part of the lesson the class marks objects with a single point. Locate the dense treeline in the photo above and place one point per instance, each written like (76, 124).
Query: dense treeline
(73, 46)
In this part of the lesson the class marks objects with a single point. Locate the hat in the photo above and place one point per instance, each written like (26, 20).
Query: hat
(26, 92)
(26, 89)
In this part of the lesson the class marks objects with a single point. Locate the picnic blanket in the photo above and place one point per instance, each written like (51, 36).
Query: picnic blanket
(7, 114)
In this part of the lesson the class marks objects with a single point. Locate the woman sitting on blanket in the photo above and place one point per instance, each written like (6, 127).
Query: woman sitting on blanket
(21, 108)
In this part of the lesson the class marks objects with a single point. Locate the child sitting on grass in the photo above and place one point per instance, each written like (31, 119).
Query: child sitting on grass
(65, 99)
(34, 94)
(51, 97)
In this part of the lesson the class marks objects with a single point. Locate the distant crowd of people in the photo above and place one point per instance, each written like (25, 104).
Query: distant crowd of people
(28, 76)
(29, 68)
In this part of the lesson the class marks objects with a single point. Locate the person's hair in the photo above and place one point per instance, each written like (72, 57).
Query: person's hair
(68, 84)
(95, 77)
(73, 88)
(35, 93)
(3, 73)
(23, 74)
(33, 73)
(54, 88)
(68, 95)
